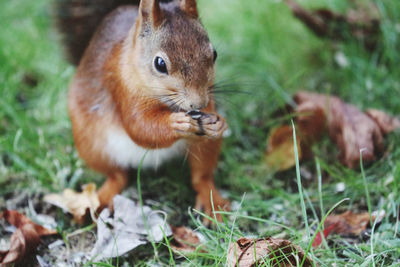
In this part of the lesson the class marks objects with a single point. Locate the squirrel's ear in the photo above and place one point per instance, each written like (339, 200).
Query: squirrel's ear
(189, 7)
(150, 13)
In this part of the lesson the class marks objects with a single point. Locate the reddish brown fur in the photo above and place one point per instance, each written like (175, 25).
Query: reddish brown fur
(107, 94)
(190, 7)
(140, 114)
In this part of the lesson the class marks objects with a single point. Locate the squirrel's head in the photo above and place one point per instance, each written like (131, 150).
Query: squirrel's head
(170, 55)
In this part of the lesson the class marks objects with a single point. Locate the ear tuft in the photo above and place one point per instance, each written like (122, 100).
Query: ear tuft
(150, 13)
(190, 8)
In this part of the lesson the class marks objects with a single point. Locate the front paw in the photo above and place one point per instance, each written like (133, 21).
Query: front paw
(212, 125)
(183, 124)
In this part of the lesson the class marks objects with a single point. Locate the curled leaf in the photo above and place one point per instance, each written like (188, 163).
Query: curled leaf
(268, 251)
(76, 203)
(311, 122)
(360, 23)
(25, 238)
(18, 220)
(386, 123)
(185, 240)
(346, 223)
(23, 242)
(351, 130)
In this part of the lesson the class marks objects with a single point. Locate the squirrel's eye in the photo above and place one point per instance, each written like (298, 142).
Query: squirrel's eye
(215, 55)
(160, 65)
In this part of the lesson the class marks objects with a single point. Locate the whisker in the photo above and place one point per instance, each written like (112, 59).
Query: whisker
(162, 97)
(179, 102)
(186, 156)
(241, 83)
(153, 87)
(230, 102)
(233, 92)
(221, 90)
(189, 153)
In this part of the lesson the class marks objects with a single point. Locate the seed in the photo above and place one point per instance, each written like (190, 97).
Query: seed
(195, 114)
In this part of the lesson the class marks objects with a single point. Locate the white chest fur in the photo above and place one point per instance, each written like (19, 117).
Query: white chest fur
(125, 153)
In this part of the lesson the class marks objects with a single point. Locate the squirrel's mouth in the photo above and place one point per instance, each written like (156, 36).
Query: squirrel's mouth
(180, 105)
(175, 107)
(196, 114)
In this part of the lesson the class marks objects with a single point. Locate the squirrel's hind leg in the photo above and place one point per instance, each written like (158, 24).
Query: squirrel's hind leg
(115, 183)
(203, 159)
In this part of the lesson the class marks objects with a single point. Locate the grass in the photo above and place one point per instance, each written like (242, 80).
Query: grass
(267, 55)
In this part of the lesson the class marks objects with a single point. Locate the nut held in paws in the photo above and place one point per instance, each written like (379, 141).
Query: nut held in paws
(195, 114)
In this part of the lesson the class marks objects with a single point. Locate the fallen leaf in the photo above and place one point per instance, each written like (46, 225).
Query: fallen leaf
(23, 241)
(25, 238)
(346, 223)
(185, 240)
(77, 203)
(127, 229)
(247, 252)
(318, 238)
(18, 220)
(311, 122)
(386, 123)
(362, 23)
(351, 130)
(280, 153)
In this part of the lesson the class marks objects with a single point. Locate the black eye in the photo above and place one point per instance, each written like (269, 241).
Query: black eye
(215, 55)
(160, 65)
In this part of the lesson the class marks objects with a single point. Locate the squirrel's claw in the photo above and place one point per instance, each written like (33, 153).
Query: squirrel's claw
(203, 202)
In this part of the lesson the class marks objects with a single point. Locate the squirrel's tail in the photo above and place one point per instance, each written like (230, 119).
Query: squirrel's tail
(77, 20)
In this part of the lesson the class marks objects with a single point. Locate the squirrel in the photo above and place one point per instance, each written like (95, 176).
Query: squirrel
(143, 84)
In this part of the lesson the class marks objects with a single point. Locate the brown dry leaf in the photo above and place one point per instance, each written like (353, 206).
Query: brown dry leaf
(185, 240)
(311, 122)
(247, 252)
(387, 123)
(280, 153)
(24, 240)
(77, 203)
(352, 130)
(361, 23)
(18, 220)
(348, 222)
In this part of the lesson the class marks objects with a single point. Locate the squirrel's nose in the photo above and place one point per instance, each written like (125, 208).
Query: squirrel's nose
(198, 106)
(196, 101)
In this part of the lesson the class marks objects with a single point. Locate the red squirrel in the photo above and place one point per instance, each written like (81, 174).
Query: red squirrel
(144, 83)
